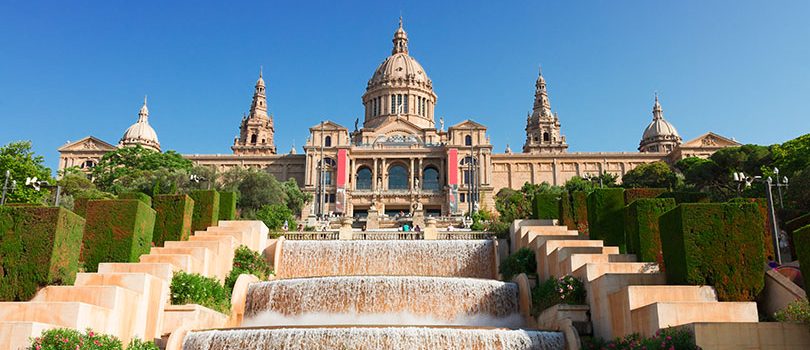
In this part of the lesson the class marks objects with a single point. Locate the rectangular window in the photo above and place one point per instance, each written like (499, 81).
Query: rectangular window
(405, 103)
(327, 178)
(462, 197)
(399, 104)
(393, 104)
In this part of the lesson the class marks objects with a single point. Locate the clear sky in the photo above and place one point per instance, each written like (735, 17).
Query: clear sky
(69, 69)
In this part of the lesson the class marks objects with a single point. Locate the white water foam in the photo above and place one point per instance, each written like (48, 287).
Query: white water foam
(271, 318)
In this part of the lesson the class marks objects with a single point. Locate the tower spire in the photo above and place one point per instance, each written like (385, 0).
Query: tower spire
(542, 106)
(658, 112)
(400, 40)
(143, 114)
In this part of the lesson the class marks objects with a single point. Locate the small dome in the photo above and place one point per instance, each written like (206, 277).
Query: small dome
(141, 133)
(660, 135)
(400, 67)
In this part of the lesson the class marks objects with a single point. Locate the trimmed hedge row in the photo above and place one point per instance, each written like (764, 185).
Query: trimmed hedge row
(39, 246)
(206, 209)
(227, 205)
(80, 206)
(686, 197)
(143, 197)
(631, 194)
(116, 231)
(546, 206)
(173, 215)
(767, 231)
(801, 242)
(579, 205)
(717, 244)
(606, 216)
(567, 212)
(641, 228)
(794, 224)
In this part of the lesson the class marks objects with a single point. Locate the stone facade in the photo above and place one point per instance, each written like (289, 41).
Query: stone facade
(399, 160)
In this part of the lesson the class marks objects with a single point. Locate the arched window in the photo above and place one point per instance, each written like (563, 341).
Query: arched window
(397, 178)
(327, 142)
(430, 179)
(253, 138)
(363, 179)
(468, 140)
(328, 170)
(546, 137)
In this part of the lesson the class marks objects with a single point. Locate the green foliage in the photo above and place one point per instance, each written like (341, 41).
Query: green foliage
(606, 216)
(577, 184)
(794, 155)
(143, 197)
(257, 188)
(206, 209)
(116, 231)
(666, 339)
(71, 339)
(546, 206)
(173, 215)
(717, 244)
(39, 246)
(798, 195)
(22, 162)
(656, 174)
(580, 206)
(796, 312)
(514, 205)
(274, 215)
(632, 194)
(140, 169)
(567, 212)
(767, 227)
(522, 261)
(801, 243)
(295, 198)
(192, 288)
(641, 228)
(477, 221)
(603, 180)
(686, 197)
(564, 290)
(227, 205)
(247, 261)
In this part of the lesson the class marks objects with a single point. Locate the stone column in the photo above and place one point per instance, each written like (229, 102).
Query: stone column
(411, 176)
(374, 176)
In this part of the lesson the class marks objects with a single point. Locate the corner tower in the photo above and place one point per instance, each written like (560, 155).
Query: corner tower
(256, 131)
(542, 126)
(399, 88)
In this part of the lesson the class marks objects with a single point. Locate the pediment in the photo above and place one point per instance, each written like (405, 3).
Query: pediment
(467, 124)
(327, 126)
(710, 140)
(393, 127)
(89, 143)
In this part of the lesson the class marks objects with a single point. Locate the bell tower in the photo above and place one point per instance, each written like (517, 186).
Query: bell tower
(256, 130)
(542, 126)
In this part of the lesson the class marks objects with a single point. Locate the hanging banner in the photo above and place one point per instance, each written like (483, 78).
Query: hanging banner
(340, 192)
(452, 180)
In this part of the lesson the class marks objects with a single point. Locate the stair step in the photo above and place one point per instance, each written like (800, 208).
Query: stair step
(74, 315)
(201, 254)
(599, 289)
(649, 319)
(182, 262)
(15, 335)
(159, 270)
(623, 258)
(592, 271)
(630, 298)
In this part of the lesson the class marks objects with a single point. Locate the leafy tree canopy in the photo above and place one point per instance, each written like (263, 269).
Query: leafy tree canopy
(652, 175)
(274, 216)
(22, 162)
(139, 168)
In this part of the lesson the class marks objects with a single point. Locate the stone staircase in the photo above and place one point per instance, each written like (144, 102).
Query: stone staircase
(624, 296)
(131, 300)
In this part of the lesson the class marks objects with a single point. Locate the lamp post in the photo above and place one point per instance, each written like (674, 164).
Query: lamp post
(6, 187)
(746, 181)
(779, 185)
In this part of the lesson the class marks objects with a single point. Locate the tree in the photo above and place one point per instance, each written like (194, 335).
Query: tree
(792, 156)
(274, 216)
(296, 199)
(798, 194)
(129, 168)
(750, 159)
(577, 183)
(652, 175)
(256, 189)
(22, 162)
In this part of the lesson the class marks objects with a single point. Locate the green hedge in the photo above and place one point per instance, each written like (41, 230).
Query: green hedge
(641, 227)
(39, 246)
(143, 197)
(173, 213)
(206, 209)
(80, 206)
(227, 205)
(767, 231)
(606, 216)
(546, 206)
(631, 194)
(117, 231)
(715, 244)
(567, 212)
(801, 242)
(579, 204)
(686, 197)
(794, 224)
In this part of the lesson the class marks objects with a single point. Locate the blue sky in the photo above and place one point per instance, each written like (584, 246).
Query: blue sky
(72, 69)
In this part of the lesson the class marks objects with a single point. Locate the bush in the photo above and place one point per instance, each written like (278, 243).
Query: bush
(717, 244)
(796, 312)
(193, 288)
(116, 231)
(767, 231)
(606, 216)
(686, 197)
(39, 246)
(641, 228)
(71, 339)
(564, 290)
(667, 338)
(579, 205)
(801, 243)
(206, 209)
(227, 205)
(567, 212)
(247, 261)
(143, 197)
(631, 194)
(274, 215)
(546, 206)
(522, 261)
(137, 344)
(173, 216)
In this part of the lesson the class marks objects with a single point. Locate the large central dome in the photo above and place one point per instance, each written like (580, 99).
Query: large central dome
(399, 88)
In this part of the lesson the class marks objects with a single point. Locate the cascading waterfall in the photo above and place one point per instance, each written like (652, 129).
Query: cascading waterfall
(383, 300)
(400, 338)
(473, 258)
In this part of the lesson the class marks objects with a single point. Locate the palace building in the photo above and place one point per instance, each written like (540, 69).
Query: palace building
(400, 160)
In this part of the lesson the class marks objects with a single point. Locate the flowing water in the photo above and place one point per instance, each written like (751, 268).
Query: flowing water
(470, 258)
(399, 338)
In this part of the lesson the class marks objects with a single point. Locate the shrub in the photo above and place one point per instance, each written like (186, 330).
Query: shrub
(796, 312)
(567, 212)
(686, 197)
(227, 205)
(641, 228)
(606, 216)
(546, 206)
(247, 261)
(116, 231)
(801, 243)
(717, 244)
(522, 261)
(173, 215)
(580, 209)
(274, 215)
(631, 194)
(193, 288)
(564, 290)
(767, 231)
(137, 344)
(38, 246)
(667, 338)
(143, 197)
(206, 209)
(71, 339)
